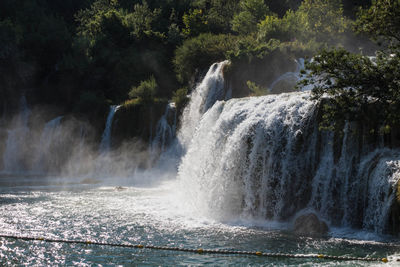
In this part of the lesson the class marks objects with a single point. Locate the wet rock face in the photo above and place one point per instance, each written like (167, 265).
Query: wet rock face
(309, 224)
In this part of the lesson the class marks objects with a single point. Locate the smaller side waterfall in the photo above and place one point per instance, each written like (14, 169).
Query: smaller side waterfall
(51, 134)
(165, 131)
(16, 146)
(105, 143)
(287, 81)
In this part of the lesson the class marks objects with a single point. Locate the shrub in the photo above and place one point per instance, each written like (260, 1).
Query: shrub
(200, 52)
(252, 11)
(321, 20)
(195, 22)
(146, 91)
(180, 98)
(355, 83)
(256, 89)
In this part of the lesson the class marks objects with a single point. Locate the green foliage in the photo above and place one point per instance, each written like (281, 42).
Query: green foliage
(146, 91)
(257, 90)
(248, 48)
(252, 11)
(361, 88)
(195, 23)
(218, 13)
(284, 29)
(180, 98)
(354, 84)
(174, 34)
(323, 17)
(381, 21)
(102, 49)
(321, 20)
(282, 6)
(200, 52)
(89, 20)
(142, 19)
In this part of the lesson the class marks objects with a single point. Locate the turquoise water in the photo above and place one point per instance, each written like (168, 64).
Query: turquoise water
(151, 214)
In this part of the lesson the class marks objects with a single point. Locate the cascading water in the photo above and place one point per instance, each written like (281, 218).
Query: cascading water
(13, 157)
(264, 158)
(250, 158)
(51, 135)
(165, 131)
(202, 98)
(105, 143)
(290, 79)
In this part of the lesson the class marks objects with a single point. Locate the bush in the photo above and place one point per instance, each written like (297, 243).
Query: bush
(321, 20)
(146, 91)
(195, 23)
(252, 11)
(257, 90)
(180, 98)
(355, 83)
(200, 52)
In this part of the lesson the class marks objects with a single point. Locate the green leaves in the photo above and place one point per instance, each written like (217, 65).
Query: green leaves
(195, 23)
(252, 11)
(146, 91)
(354, 83)
(141, 20)
(256, 89)
(381, 21)
(198, 53)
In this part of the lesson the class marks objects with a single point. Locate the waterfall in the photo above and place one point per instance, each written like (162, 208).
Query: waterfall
(51, 135)
(16, 146)
(165, 130)
(290, 79)
(264, 158)
(202, 98)
(105, 143)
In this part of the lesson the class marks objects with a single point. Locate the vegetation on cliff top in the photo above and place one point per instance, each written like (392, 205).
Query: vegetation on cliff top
(85, 53)
(363, 88)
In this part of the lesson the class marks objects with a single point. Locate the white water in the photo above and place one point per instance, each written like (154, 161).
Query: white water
(51, 135)
(202, 98)
(249, 159)
(105, 143)
(264, 158)
(165, 130)
(16, 145)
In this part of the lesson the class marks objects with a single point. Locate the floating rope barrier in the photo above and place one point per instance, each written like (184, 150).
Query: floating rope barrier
(198, 250)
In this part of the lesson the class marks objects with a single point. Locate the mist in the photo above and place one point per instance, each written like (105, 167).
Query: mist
(66, 146)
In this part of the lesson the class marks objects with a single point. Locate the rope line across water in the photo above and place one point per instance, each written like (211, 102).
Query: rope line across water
(197, 250)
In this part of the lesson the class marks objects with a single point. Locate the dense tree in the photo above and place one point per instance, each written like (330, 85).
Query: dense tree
(146, 91)
(362, 87)
(251, 12)
(93, 52)
(381, 22)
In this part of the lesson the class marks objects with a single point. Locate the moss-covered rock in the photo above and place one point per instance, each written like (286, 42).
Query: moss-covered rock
(137, 120)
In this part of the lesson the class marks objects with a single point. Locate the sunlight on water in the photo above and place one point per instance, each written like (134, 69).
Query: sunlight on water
(235, 177)
(145, 215)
